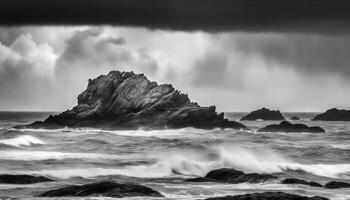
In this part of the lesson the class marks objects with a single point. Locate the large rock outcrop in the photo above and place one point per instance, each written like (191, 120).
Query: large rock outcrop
(125, 100)
(333, 114)
(291, 128)
(263, 114)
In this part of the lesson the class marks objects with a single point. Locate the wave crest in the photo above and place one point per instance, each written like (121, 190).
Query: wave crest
(23, 140)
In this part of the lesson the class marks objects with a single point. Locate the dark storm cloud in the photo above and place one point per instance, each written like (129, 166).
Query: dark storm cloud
(208, 15)
(89, 53)
(310, 53)
(88, 50)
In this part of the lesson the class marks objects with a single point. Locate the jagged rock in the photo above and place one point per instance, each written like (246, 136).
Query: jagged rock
(299, 181)
(228, 175)
(22, 179)
(125, 100)
(291, 128)
(295, 118)
(263, 114)
(336, 184)
(268, 196)
(333, 114)
(105, 189)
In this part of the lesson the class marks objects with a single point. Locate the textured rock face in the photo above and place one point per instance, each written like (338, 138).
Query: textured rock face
(22, 179)
(228, 175)
(124, 100)
(263, 114)
(291, 128)
(105, 189)
(333, 115)
(268, 196)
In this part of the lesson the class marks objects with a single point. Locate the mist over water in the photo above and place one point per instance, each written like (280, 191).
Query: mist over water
(162, 159)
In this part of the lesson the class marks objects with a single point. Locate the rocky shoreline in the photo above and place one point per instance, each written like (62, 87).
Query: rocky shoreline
(222, 175)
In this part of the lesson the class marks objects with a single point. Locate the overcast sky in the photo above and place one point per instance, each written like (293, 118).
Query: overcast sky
(233, 55)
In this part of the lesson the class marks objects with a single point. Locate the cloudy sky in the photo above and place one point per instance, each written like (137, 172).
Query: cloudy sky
(232, 55)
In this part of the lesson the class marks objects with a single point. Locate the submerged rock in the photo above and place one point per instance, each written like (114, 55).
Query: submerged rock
(22, 179)
(333, 114)
(268, 196)
(299, 181)
(228, 175)
(291, 128)
(294, 118)
(336, 184)
(200, 179)
(124, 100)
(105, 189)
(263, 114)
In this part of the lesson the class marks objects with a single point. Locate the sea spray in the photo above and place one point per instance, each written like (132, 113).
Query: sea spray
(198, 163)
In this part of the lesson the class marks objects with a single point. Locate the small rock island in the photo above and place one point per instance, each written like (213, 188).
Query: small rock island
(263, 114)
(291, 128)
(333, 114)
(295, 118)
(125, 100)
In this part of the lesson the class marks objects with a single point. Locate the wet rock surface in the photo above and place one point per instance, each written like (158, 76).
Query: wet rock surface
(125, 100)
(228, 175)
(268, 196)
(336, 184)
(263, 114)
(291, 128)
(105, 189)
(22, 179)
(300, 181)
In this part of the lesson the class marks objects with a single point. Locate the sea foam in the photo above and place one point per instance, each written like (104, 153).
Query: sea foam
(45, 155)
(23, 140)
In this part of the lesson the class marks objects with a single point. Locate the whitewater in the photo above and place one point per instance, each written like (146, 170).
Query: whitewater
(163, 159)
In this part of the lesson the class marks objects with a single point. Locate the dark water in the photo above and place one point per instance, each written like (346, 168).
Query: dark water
(163, 159)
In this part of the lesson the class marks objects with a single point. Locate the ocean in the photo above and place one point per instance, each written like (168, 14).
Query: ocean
(163, 159)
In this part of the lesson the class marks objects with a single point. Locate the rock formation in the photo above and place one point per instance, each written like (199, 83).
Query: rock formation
(125, 100)
(105, 189)
(22, 179)
(228, 175)
(263, 114)
(291, 128)
(268, 196)
(333, 114)
(294, 118)
(336, 184)
(299, 181)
